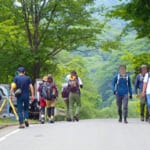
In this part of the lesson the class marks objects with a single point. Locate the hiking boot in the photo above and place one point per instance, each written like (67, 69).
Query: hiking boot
(42, 121)
(142, 118)
(21, 126)
(120, 120)
(52, 119)
(69, 119)
(149, 120)
(76, 118)
(26, 123)
(125, 121)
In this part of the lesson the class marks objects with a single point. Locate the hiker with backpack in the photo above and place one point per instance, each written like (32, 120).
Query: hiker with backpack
(51, 97)
(42, 92)
(121, 86)
(22, 83)
(139, 85)
(146, 91)
(66, 90)
(74, 96)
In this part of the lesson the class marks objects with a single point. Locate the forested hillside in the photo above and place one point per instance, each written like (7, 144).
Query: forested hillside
(91, 37)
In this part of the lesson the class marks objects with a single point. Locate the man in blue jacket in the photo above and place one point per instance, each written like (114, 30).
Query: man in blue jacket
(139, 85)
(121, 87)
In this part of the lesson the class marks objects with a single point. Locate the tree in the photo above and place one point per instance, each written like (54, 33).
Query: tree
(44, 28)
(136, 13)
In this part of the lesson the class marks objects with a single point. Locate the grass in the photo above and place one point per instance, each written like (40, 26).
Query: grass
(8, 121)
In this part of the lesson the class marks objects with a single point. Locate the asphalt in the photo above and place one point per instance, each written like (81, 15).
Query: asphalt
(98, 134)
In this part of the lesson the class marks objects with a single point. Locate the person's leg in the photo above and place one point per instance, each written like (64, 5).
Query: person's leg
(26, 107)
(125, 105)
(71, 105)
(48, 109)
(147, 114)
(67, 105)
(148, 104)
(20, 109)
(42, 110)
(142, 106)
(53, 104)
(119, 105)
(78, 101)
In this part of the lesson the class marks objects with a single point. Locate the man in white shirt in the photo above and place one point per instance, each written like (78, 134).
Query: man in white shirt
(146, 91)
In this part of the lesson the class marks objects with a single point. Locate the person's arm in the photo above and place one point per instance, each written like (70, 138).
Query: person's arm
(32, 92)
(136, 85)
(130, 88)
(11, 91)
(114, 85)
(145, 85)
(80, 82)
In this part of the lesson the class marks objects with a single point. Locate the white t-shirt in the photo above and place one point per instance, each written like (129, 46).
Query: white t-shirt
(148, 84)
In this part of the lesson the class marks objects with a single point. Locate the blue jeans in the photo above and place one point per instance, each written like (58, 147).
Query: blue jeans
(148, 101)
(23, 104)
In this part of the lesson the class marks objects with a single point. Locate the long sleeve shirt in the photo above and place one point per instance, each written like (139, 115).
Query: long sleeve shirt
(139, 83)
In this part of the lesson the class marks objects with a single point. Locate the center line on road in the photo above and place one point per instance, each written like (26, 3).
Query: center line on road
(7, 135)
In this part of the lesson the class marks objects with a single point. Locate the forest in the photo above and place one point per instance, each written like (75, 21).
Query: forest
(92, 37)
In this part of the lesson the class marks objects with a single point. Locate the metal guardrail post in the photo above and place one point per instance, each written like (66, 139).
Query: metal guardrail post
(8, 105)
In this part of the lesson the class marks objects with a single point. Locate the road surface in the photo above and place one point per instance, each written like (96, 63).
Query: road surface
(98, 134)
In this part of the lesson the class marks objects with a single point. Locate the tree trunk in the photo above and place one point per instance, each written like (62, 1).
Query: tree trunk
(36, 72)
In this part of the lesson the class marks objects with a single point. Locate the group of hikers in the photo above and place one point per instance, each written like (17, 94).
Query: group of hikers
(122, 88)
(48, 96)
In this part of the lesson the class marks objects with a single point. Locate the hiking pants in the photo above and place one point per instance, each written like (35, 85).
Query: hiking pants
(124, 100)
(67, 104)
(143, 103)
(42, 110)
(23, 104)
(74, 98)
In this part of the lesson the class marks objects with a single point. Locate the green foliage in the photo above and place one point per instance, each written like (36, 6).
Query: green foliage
(136, 12)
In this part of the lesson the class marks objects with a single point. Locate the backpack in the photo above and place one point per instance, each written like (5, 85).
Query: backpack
(43, 90)
(65, 91)
(51, 91)
(126, 77)
(73, 85)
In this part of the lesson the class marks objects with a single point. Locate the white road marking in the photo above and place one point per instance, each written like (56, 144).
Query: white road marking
(7, 135)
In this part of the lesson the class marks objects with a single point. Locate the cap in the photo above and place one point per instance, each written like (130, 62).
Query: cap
(143, 66)
(21, 69)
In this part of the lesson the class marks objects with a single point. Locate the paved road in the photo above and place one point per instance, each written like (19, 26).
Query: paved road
(100, 134)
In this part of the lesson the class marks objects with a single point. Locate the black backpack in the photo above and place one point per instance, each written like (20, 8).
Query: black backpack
(43, 90)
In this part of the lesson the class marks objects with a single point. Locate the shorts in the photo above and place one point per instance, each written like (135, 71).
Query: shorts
(51, 103)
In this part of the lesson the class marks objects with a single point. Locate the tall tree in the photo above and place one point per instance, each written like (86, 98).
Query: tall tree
(136, 12)
(46, 27)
